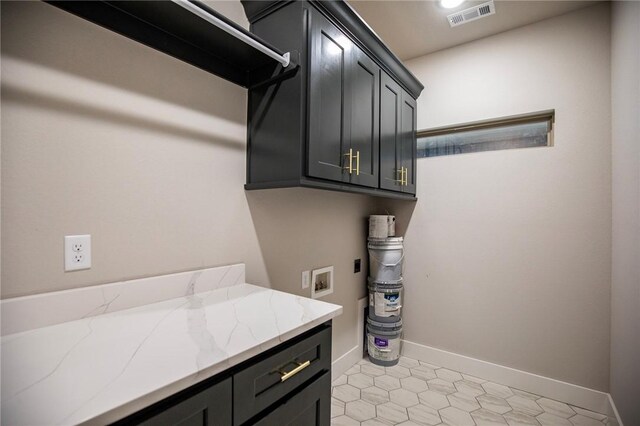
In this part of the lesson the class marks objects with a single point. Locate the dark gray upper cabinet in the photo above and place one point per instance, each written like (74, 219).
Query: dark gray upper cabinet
(408, 146)
(323, 126)
(329, 101)
(343, 108)
(390, 122)
(365, 118)
(397, 137)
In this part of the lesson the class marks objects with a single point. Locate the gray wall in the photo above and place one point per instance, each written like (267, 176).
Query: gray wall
(625, 284)
(102, 135)
(508, 252)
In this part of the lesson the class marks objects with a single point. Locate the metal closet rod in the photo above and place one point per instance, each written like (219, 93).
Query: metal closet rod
(282, 59)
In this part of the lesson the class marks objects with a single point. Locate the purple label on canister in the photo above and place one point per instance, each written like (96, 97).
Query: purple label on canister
(381, 343)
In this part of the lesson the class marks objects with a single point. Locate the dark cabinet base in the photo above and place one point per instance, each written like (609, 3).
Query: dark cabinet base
(257, 391)
(309, 407)
(211, 407)
(260, 385)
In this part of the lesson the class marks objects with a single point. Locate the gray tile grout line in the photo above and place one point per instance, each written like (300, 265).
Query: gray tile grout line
(512, 410)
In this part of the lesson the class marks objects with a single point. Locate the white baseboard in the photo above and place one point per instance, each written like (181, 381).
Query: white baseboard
(353, 355)
(562, 391)
(345, 362)
(615, 410)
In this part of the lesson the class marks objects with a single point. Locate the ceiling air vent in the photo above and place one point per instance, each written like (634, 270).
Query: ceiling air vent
(471, 14)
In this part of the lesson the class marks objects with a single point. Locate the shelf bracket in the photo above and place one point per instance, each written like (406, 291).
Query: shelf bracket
(283, 59)
(282, 74)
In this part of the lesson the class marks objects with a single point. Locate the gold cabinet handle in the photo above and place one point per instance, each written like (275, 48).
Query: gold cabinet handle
(286, 375)
(357, 163)
(401, 172)
(405, 175)
(350, 155)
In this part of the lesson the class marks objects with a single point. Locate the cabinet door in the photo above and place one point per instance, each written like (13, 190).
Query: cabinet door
(390, 123)
(309, 407)
(408, 142)
(211, 407)
(260, 386)
(365, 98)
(329, 101)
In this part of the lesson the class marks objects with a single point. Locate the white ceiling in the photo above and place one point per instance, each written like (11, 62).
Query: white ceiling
(418, 27)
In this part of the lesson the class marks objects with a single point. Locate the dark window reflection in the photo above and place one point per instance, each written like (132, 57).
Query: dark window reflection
(512, 136)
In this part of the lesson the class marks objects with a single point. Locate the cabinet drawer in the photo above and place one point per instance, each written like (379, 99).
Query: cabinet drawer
(269, 380)
(211, 407)
(309, 407)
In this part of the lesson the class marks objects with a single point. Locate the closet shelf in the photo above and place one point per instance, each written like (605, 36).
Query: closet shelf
(191, 32)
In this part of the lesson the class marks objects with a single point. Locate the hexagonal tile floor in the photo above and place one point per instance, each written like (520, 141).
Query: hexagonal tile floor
(416, 393)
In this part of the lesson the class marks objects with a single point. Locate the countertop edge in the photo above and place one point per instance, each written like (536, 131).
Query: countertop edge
(137, 404)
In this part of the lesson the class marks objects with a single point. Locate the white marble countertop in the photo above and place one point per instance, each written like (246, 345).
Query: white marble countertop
(101, 368)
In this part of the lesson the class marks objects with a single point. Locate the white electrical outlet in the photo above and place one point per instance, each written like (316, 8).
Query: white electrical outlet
(77, 252)
(306, 279)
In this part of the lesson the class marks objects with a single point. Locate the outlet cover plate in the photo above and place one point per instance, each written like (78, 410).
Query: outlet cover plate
(77, 252)
(306, 279)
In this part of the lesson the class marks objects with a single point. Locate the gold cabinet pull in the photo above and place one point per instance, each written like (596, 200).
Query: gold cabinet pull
(286, 375)
(357, 163)
(350, 155)
(405, 176)
(401, 172)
